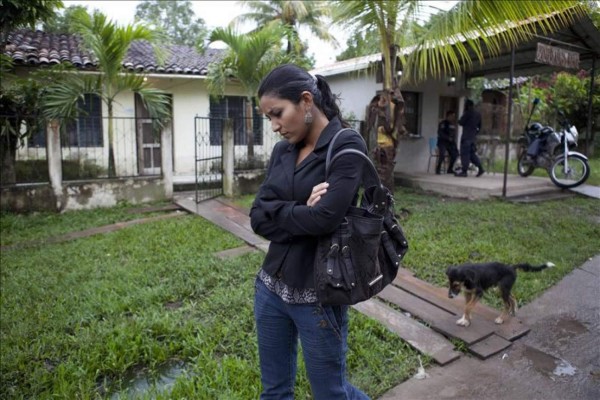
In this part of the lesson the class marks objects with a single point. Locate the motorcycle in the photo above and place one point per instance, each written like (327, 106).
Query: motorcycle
(543, 147)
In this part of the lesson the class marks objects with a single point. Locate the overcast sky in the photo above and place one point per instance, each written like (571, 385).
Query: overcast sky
(220, 13)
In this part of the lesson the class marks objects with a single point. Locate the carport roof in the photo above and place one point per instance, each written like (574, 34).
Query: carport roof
(581, 36)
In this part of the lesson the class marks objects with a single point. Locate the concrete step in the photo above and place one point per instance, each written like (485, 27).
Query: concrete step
(537, 197)
(528, 191)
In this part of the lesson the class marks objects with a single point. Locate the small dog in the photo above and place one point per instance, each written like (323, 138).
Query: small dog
(475, 279)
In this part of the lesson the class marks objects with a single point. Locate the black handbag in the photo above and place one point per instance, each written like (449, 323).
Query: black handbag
(363, 254)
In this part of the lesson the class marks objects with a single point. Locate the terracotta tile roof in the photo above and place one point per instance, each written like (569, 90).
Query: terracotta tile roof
(28, 47)
(178, 59)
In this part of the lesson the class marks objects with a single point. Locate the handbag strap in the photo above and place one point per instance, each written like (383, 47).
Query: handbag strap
(379, 194)
(366, 159)
(331, 143)
(329, 161)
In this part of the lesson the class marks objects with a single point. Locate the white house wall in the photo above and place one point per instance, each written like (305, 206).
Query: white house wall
(191, 99)
(357, 89)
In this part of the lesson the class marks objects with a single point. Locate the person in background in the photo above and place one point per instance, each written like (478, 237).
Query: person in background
(446, 142)
(293, 207)
(471, 123)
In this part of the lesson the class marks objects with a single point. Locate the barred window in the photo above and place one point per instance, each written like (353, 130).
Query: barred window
(86, 130)
(234, 107)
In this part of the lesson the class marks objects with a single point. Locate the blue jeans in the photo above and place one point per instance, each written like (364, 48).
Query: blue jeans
(323, 332)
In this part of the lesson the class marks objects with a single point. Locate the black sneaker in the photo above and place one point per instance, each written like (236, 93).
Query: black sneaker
(481, 172)
(461, 174)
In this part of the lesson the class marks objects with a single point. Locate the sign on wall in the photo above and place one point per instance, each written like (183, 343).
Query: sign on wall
(556, 56)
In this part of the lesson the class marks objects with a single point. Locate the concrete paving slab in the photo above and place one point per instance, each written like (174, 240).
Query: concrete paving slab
(588, 190)
(471, 187)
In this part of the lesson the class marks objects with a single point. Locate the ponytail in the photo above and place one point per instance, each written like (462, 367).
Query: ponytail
(328, 101)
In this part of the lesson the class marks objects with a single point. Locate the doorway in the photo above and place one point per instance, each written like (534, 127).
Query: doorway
(148, 140)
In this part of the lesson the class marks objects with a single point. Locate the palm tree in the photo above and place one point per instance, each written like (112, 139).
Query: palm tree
(109, 44)
(18, 96)
(444, 46)
(250, 57)
(292, 14)
(389, 18)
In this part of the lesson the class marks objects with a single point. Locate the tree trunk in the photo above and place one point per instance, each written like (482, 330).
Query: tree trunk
(390, 121)
(111, 152)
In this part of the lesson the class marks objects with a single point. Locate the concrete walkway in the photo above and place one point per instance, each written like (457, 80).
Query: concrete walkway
(491, 185)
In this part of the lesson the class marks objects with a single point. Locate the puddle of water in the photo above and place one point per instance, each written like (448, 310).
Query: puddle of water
(543, 362)
(548, 364)
(564, 369)
(141, 382)
(571, 327)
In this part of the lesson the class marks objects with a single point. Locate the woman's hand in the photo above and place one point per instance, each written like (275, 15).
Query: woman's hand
(316, 194)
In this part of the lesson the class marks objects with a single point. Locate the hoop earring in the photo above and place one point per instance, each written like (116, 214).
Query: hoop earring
(308, 118)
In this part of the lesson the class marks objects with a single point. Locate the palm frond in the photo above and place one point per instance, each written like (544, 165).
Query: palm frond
(157, 103)
(246, 53)
(61, 97)
(482, 29)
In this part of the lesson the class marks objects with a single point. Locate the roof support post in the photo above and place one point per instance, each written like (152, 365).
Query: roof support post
(590, 135)
(510, 122)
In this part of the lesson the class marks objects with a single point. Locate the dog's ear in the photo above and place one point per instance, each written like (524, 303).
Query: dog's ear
(450, 270)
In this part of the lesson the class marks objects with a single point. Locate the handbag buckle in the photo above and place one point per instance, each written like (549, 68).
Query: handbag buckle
(333, 249)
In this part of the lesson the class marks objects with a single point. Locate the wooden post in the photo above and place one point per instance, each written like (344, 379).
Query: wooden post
(590, 136)
(510, 122)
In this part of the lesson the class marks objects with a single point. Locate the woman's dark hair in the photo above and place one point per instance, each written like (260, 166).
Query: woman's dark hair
(288, 81)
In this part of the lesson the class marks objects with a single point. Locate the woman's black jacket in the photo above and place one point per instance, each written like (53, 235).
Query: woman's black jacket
(280, 214)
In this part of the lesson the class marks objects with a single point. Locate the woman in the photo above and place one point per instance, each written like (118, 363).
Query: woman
(293, 207)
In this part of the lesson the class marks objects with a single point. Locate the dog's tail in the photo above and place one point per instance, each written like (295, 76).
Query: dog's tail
(532, 268)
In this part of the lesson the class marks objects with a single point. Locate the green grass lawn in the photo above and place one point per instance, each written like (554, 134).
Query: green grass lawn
(80, 318)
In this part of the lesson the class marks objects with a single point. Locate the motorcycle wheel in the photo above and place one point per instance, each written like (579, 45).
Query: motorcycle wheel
(524, 167)
(577, 172)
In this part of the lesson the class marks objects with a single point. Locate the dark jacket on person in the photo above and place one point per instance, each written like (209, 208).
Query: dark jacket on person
(446, 131)
(280, 214)
(471, 123)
